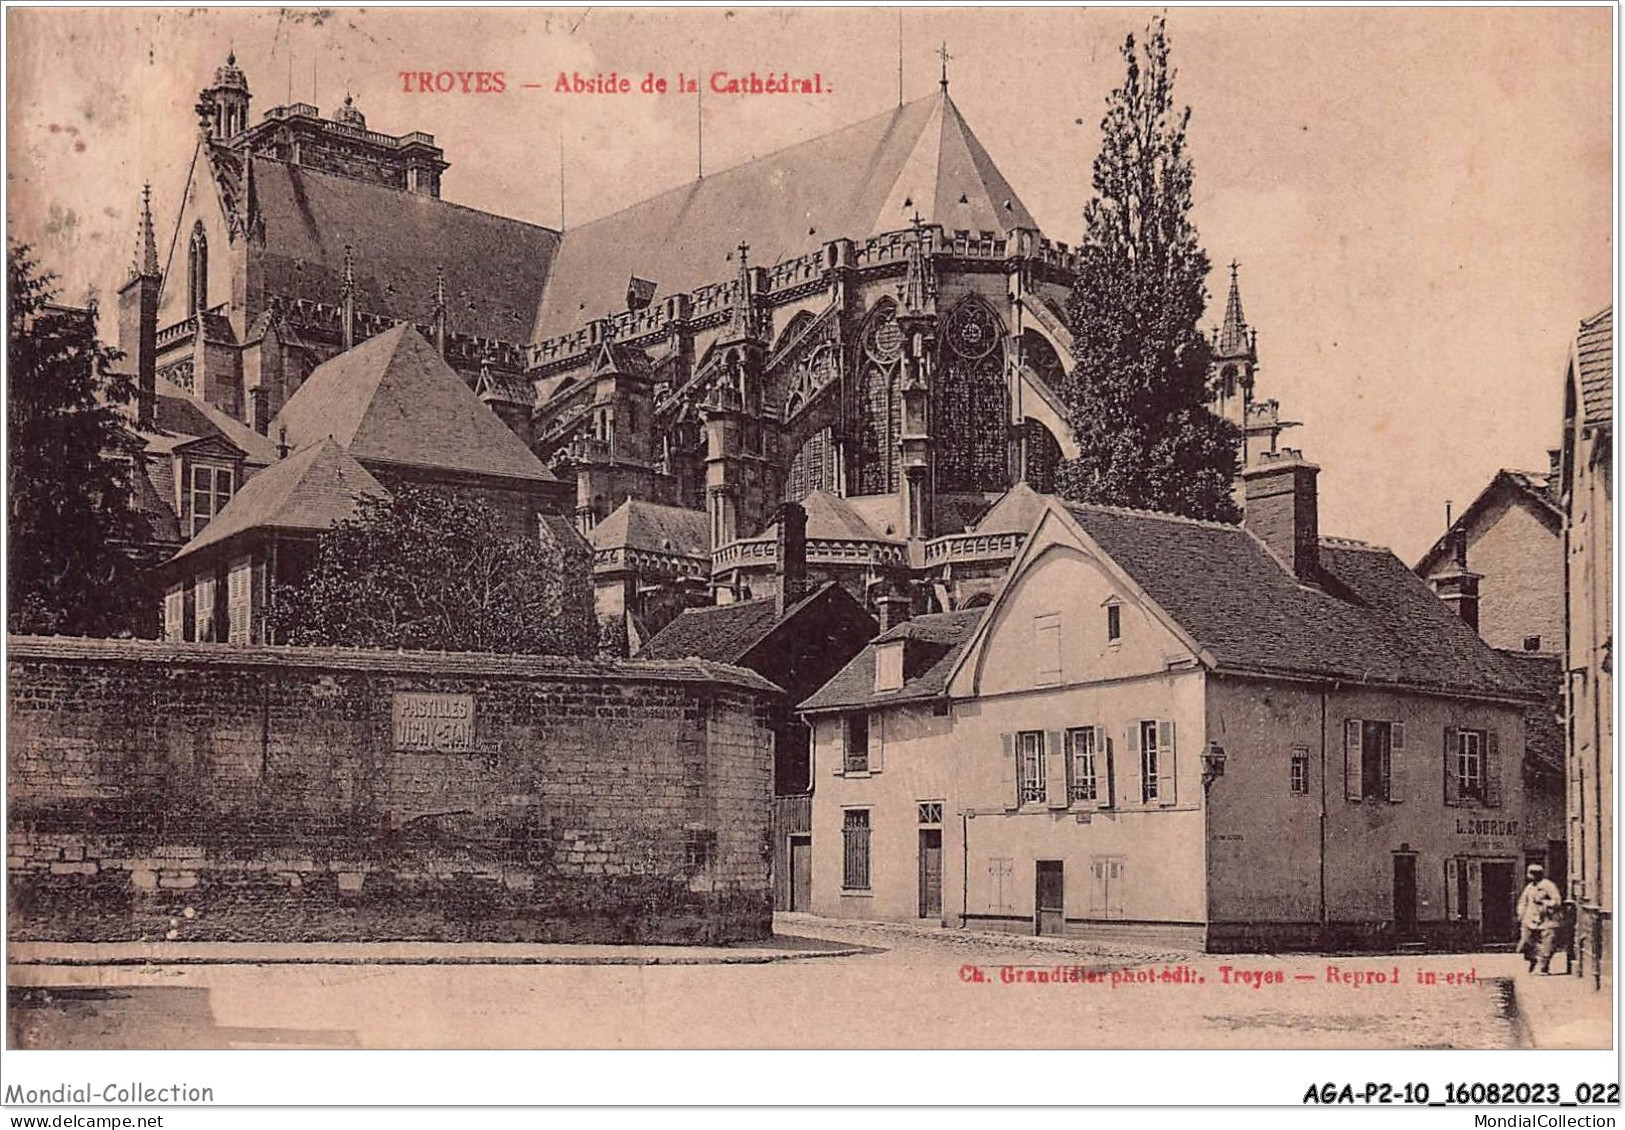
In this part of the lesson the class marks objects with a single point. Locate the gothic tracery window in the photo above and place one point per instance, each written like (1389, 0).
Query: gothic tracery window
(1043, 458)
(812, 467)
(971, 402)
(197, 272)
(874, 405)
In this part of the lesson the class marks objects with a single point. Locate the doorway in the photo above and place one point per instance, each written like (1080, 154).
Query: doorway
(1049, 902)
(1404, 896)
(1497, 918)
(801, 873)
(930, 872)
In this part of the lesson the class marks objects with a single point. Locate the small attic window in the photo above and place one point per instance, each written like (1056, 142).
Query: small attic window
(1114, 623)
(889, 665)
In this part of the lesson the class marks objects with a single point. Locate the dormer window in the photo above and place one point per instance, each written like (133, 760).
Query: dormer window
(889, 665)
(211, 489)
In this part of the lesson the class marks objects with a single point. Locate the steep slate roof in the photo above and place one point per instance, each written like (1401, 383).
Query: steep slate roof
(178, 417)
(1374, 621)
(393, 399)
(1539, 488)
(495, 268)
(724, 633)
(1594, 353)
(847, 184)
(934, 645)
(310, 490)
(636, 524)
(1016, 512)
(831, 518)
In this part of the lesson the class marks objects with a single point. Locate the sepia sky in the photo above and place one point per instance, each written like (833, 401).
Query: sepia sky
(1420, 199)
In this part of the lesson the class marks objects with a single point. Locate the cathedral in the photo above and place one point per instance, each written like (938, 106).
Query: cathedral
(868, 323)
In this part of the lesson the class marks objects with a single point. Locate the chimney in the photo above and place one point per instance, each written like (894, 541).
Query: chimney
(792, 555)
(893, 607)
(1282, 509)
(1457, 586)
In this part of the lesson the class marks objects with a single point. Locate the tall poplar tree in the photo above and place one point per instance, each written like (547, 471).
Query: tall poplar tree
(1137, 398)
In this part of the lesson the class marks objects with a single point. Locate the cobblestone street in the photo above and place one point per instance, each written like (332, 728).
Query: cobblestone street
(909, 987)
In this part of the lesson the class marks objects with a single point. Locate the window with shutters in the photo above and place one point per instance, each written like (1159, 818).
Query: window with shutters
(1030, 755)
(211, 490)
(239, 600)
(1082, 784)
(1300, 772)
(1368, 759)
(1150, 756)
(1470, 764)
(175, 614)
(857, 743)
(1047, 648)
(855, 838)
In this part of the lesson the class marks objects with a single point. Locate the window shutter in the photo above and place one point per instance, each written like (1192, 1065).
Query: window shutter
(1010, 779)
(1393, 769)
(1352, 757)
(1167, 768)
(1452, 783)
(1451, 879)
(877, 742)
(1106, 790)
(843, 740)
(1492, 770)
(1133, 792)
(1056, 776)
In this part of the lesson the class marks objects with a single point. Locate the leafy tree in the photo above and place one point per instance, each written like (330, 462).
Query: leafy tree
(429, 569)
(1137, 398)
(71, 528)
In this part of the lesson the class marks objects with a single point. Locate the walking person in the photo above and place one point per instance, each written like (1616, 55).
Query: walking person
(1539, 909)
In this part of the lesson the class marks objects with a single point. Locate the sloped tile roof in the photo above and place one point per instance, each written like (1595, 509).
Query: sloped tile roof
(935, 644)
(725, 633)
(310, 490)
(495, 268)
(1015, 513)
(178, 417)
(851, 183)
(1594, 352)
(393, 399)
(1372, 621)
(636, 524)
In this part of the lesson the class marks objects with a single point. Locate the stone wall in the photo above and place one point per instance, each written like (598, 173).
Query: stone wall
(213, 792)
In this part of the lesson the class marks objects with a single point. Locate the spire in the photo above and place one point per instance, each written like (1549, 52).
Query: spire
(746, 321)
(919, 287)
(440, 309)
(347, 297)
(145, 263)
(1233, 337)
(942, 53)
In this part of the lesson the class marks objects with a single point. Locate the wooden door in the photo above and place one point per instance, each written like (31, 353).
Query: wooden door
(1049, 916)
(1499, 900)
(930, 872)
(1405, 896)
(800, 872)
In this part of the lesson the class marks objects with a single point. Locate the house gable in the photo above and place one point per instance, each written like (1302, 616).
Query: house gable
(1048, 623)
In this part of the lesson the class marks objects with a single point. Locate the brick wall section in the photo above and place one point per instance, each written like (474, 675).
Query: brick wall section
(211, 792)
